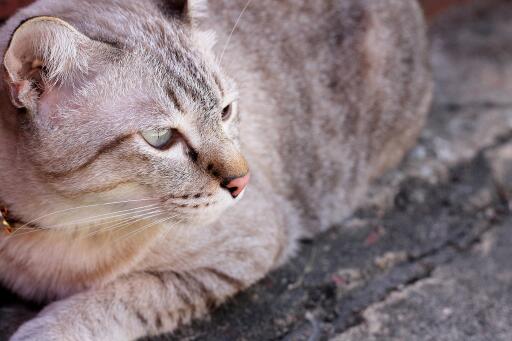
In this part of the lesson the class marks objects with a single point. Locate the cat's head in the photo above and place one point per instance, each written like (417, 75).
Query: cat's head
(141, 111)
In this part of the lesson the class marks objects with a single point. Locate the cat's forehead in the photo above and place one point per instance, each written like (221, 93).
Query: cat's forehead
(171, 76)
(182, 81)
(163, 61)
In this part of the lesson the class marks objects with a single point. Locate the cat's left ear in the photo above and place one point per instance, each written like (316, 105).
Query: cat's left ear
(46, 53)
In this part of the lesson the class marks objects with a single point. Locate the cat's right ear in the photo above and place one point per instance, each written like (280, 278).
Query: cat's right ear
(191, 11)
(45, 52)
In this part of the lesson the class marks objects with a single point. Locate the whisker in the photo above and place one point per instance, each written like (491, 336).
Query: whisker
(127, 221)
(82, 207)
(118, 223)
(108, 216)
(146, 227)
(16, 232)
(233, 30)
(91, 219)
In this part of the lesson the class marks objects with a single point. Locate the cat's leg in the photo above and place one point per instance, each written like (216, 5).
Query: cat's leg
(137, 305)
(158, 301)
(132, 307)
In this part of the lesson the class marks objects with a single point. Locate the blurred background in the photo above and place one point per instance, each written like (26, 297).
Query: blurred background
(8, 7)
(432, 7)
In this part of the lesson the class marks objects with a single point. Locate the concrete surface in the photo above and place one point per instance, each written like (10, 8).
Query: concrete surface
(429, 256)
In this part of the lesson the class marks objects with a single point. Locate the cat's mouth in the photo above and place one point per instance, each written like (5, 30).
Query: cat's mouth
(191, 202)
(203, 207)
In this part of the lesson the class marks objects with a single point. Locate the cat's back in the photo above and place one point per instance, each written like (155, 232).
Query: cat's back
(337, 91)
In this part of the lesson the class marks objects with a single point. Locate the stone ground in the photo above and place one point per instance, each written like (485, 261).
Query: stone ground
(429, 256)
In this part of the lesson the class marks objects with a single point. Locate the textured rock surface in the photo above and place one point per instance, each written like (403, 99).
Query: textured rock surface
(429, 257)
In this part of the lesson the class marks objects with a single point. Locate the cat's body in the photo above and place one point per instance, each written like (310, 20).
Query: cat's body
(331, 94)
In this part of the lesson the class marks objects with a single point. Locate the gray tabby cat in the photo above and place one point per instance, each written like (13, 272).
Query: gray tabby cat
(127, 135)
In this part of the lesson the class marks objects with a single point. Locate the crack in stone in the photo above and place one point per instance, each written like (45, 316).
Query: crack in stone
(446, 252)
(458, 106)
(417, 268)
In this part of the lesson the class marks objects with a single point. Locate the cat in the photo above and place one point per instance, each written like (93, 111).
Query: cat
(160, 156)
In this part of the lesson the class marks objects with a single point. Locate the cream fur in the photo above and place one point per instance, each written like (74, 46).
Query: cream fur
(329, 98)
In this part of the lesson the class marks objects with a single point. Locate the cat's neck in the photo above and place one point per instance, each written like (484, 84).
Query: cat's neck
(68, 271)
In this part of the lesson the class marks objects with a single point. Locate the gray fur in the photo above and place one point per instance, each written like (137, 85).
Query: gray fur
(330, 93)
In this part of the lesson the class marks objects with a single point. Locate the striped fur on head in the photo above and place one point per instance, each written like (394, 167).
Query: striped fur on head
(115, 79)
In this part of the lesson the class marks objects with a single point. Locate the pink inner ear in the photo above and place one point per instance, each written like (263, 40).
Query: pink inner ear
(24, 95)
(51, 98)
(18, 90)
(47, 103)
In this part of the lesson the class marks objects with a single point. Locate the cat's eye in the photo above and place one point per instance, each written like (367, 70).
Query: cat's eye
(158, 138)
(228, 111)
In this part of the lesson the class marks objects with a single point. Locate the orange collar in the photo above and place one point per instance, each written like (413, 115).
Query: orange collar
(7, 224)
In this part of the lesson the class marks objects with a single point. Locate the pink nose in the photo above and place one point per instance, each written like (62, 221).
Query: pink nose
(237, 185)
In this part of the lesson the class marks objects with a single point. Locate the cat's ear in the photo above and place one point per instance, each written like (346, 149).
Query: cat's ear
(189, 10)
(44, 52)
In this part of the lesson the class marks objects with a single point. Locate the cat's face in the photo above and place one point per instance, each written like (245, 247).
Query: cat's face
(154, 120)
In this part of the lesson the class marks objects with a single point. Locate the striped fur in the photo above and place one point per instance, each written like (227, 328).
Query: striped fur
(134, 241)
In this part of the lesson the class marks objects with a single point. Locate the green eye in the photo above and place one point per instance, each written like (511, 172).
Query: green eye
(158, 138)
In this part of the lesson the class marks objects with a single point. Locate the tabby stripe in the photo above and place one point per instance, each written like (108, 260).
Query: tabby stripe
(159, 276)
(178, 59)
(191, 92)
(209, 93)
(186, 58)
(141, 318)
(197, 73)
(178, 80)
(237, 284)
(158, 321)
(176, 101)
(182, 294)
(204, 71)
(195, 92)
(116, 319)
(172, 317)
(207, 295)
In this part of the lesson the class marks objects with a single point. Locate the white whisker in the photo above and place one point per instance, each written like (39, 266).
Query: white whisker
(109, 215)
(233, 30)
(127, 222)
(118, 224)
(82, 207)
(147, 226)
